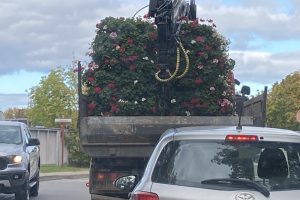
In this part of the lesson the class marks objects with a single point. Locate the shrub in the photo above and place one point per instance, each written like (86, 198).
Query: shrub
(120, 79)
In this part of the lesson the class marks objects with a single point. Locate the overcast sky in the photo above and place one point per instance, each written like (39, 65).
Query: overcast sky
(39, 35)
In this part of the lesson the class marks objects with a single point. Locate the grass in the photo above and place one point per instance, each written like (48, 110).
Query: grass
(55, 168)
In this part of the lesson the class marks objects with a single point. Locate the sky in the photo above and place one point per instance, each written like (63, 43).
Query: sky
(37, 36)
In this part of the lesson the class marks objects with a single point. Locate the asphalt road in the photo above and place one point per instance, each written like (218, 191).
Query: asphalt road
(64, 189)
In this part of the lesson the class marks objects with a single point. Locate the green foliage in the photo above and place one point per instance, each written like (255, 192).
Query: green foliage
(120, 80)
(54, 97)
(284, 102)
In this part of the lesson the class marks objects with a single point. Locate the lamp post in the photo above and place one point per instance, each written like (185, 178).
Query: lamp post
(62, 123)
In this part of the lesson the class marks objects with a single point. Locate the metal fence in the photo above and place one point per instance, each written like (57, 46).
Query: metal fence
(51, 150)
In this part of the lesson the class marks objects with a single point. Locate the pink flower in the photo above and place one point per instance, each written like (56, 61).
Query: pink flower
(90, 79)
(91, 106)
(132, 58)
(113, 35)
(199, 39)
(106, 61)
(195, 101)
(194, 23)
(200, 66)
(198, 81)
(98, 25)
(97, 90)
(132, 68)
(111, 86)
(130, 41)
(122, 50)
(146, 16)
(200, 53)
(114, 108)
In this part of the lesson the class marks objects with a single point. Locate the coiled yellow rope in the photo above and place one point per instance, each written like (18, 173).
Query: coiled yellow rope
(187, 65)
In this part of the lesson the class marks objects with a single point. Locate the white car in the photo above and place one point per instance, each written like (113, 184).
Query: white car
(220, 163)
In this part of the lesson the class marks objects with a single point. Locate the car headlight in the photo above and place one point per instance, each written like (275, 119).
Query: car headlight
(15, 159)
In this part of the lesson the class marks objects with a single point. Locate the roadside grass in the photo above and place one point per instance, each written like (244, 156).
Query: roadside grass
(65, 168)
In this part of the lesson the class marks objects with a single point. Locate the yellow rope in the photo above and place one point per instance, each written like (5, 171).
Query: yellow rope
(187, 61)
(175, 72)
(187, 65)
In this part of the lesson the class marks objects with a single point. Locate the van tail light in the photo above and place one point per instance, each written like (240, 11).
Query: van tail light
(241, 138)
(145, 196)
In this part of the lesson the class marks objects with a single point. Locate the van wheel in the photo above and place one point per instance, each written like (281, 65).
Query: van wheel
(34, 191)
(23, 193)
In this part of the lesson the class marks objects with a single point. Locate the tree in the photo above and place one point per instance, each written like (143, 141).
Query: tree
(54, 97)
(284, 102)
(13, 113)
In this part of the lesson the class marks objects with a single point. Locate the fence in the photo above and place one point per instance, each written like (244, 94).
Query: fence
(50, 145)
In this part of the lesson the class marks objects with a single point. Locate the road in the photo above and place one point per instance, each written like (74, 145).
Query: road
(64, 189)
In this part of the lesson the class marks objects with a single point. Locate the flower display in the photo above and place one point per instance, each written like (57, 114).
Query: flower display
(120, 80)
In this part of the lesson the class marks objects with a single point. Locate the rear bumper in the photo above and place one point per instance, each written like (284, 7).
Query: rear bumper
(101, 197)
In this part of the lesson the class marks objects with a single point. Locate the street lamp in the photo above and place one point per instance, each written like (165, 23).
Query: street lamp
(62, 123)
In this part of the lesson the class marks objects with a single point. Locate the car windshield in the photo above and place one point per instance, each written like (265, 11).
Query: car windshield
(10, 134)
(275, 165)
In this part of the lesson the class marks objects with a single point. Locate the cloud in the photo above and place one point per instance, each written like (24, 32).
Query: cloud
(39, 35)
(264, 67)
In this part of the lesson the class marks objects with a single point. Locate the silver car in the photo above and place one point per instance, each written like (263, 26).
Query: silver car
(214, 163)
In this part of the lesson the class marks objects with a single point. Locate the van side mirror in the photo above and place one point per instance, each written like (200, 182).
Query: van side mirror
(33, 142)
(245, 90)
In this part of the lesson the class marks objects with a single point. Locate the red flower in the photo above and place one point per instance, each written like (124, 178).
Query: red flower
(114, 108)
(200, 39)
(111, 86)
(91, 106)
(106, 61)
(203, 105)
(200, 53)
(122, 50)
(132, 68)
(195, 101)
(198, 81)
(132, 58)
(194, 23)
(146, 15)
(97, 90)
(130, 41)
(184, 18)
(90, 79)
(207, 48)
(98, 25)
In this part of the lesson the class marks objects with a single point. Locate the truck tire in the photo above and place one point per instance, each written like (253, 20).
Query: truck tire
(34, 191)
(23, 193)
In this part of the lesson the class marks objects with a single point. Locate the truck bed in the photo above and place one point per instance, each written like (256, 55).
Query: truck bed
(137, 136)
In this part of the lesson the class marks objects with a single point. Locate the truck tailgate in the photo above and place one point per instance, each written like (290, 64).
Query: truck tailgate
(137, 136)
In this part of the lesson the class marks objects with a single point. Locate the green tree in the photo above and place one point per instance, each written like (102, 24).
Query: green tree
(54, 97)
(284, 102)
